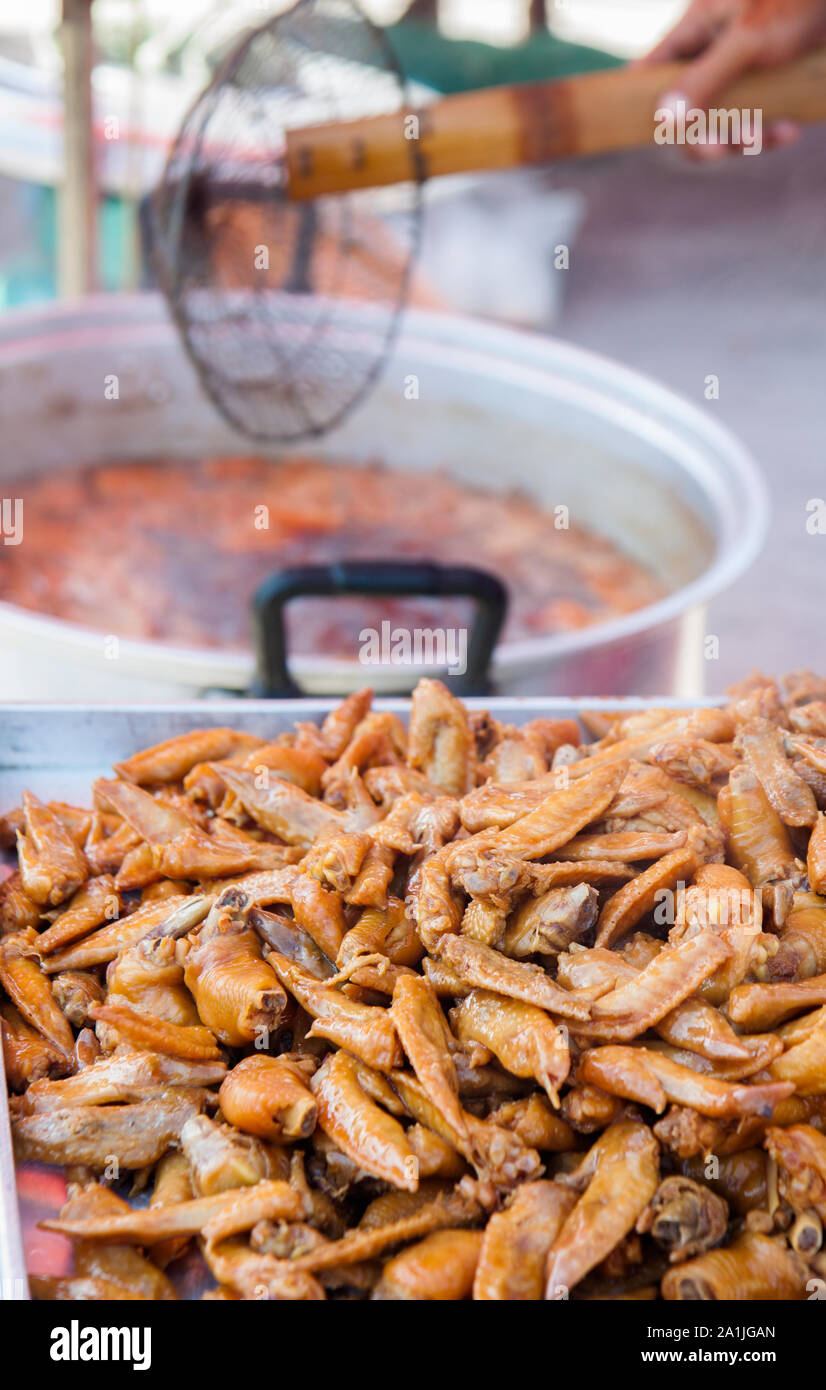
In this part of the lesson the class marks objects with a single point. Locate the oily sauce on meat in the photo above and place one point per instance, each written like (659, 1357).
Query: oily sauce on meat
(173, 550)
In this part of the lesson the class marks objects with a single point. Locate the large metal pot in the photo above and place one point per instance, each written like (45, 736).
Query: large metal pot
(499, 408)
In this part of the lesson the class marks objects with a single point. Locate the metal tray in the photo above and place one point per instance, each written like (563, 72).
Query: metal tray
(56, 751)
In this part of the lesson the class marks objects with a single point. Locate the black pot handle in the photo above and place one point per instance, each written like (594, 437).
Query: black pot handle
(377, 579)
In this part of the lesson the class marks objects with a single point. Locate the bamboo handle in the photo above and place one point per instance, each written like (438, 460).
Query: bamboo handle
(530, 123)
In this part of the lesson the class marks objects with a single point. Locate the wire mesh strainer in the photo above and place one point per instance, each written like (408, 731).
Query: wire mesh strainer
(263, 289)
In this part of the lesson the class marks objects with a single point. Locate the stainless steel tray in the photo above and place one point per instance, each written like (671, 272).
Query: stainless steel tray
(56, 751)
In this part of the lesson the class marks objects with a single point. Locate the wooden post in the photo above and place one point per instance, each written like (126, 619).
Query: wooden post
(427, 10)
(537, 16)
(77, 200)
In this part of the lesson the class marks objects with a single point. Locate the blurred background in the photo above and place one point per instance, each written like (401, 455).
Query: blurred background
(683, 271)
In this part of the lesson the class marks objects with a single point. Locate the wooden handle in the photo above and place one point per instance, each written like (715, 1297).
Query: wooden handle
(530, 123)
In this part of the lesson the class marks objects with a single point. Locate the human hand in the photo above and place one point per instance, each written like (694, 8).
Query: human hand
(722, 39)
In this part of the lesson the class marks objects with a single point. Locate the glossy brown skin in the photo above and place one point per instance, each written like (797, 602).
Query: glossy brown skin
(172, 760)
(759, 1007)
(236, 992)
(620, 1175)
(124, 1077)
(282, 808)
(753, 1267)
(440, 741)
(652, 1079)
(416, 1041)
(758, 840)
(114, 1263)
(170, 916)
(150, 977)
(219, 1158)
(366, 1031)
(319, 913)
(440, 1268)
(761, 744)
(374, 1140)
(217, 1217)
(191, 1043)
(75, 992)
(137, 1135)
(564, 812)
(484, 968)
(423, 1033)
(52, 864)
(96, 902)
(532, 1118)
(800, 1154)
(28, 1057)
(635, 899)
(803, 1065)
(17, 909)
(516, 1243)
(740, 1178)
(269, 1097)
(802, 950)
(522, 1037)
(816, 855)
(30, 990)
(549, 923)
(355, 1247)
(647, 998)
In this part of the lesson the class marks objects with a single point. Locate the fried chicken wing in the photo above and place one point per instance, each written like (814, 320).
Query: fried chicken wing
(270, 1097)
(440, 743)
(440, 1268)
(216, 1218)
(617, 1178)
(122, 1077)
(486, 969)
(548, 924)
(753, 1267)
(635, 899)
(237, 993)
(427, 1040)
(337, 1012)
(94, 1135)
(372, 1138)
(172, 917)
(366, 1031)
(96, 902)
(758, 840)
(645, 1075)
(28, 1056)
(521, 1036)
(684, 1218)
(52, 866)
(282, 808)
(172, 760)
(30, 990)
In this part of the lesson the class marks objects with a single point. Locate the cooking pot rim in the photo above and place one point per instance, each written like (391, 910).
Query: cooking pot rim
(729, 472)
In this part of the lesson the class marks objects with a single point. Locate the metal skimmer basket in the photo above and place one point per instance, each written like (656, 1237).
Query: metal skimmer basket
(260, 285)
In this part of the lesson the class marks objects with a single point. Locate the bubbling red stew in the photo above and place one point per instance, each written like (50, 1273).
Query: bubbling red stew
(173, 550)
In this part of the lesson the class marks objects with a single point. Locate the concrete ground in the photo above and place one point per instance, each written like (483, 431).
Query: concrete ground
(684, 271)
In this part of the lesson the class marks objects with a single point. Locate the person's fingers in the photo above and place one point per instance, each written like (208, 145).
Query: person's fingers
(780, 134)
(707, 76)
(711, 152)
(687, 37)
(777, 136)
